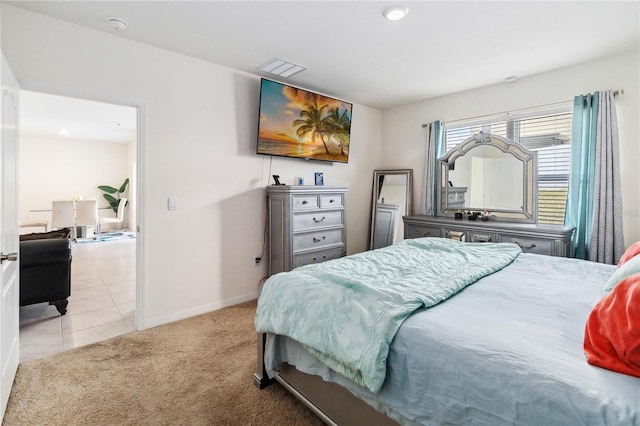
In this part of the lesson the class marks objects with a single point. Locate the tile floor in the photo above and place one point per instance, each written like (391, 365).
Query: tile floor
(101, 306)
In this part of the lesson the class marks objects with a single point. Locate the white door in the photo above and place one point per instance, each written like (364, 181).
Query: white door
(9, 279)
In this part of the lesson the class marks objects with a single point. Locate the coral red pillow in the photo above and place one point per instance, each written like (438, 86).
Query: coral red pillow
(633, 250)
(612, 333)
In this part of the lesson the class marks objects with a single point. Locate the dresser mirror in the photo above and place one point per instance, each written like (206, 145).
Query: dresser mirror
(391, 201)
(489, 172)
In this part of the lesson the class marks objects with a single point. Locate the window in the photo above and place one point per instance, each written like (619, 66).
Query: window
(546, 131)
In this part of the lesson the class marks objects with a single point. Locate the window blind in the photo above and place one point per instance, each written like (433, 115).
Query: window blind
(548, 133)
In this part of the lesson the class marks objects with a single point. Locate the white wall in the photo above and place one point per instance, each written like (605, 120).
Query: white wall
(60, 169)
(403, 138)
(200, 127)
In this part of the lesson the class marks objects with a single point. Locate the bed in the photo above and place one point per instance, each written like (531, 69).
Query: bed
(507, 347)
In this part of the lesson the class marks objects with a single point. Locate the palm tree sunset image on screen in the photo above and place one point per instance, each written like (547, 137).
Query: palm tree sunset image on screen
(302, 124)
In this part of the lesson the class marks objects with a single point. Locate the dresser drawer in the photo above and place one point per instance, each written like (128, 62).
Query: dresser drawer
(529, 245)
(330, 201)
(482, 237)
(317, 219)
(312, 240)
(317, 256)
(412, 231)
(305, 202)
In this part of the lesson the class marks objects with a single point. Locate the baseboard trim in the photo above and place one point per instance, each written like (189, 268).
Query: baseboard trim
(177, 316)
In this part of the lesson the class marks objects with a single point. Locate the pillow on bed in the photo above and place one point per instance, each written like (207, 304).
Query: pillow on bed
(612, 333)
(629, 253)
(628, 268)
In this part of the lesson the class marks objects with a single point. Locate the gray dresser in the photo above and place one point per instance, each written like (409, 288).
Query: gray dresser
(456, 197)
(532, 238)
(306, 225)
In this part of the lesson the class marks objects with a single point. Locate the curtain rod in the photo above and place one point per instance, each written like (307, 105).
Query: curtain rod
(615, 93)
(554, 104)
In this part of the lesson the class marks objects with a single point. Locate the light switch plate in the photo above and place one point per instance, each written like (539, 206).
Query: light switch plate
(172, 203)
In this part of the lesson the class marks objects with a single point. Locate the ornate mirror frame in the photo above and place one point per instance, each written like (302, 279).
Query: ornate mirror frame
(528, 213)
(377, 187)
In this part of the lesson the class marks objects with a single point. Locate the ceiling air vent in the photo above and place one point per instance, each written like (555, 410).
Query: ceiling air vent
(281, 68)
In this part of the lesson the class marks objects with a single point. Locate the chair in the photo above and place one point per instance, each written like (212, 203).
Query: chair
(119, 216)
(63, 215)
(45, 269)
(87, 214)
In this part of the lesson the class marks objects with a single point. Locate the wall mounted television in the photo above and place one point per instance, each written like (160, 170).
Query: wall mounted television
(299, 123)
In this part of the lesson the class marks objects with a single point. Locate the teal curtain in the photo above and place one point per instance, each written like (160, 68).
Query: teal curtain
(435, 150)
(438, 137)
(579, 210)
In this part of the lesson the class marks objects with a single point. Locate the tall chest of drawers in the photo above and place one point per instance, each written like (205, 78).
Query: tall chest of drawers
(306, 224)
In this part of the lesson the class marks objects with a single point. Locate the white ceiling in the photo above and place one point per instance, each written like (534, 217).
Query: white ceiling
(52, 116)
(353, 53)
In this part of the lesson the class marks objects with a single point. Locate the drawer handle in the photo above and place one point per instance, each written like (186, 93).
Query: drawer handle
(317, 240)
(332, 200)
(319, 220)
(424, 234)
(315, 258)
(305, 202)
(525, 248)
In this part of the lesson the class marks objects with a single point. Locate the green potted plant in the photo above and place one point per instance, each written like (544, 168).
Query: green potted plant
(114, 201)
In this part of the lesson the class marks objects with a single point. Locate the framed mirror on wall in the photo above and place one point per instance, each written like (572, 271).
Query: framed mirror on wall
(489, 172)
(392, 192)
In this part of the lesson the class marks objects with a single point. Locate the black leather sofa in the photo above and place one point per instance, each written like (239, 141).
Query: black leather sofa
(45, 269)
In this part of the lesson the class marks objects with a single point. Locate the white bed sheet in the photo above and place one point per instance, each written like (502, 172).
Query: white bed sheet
(506, 350)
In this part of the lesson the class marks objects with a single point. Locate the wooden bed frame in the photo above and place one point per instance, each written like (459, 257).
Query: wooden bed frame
(332, 403)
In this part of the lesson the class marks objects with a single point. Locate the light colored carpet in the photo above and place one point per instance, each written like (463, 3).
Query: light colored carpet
(197, 371)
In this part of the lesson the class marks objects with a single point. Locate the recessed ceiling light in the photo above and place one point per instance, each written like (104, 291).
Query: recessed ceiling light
(118, 24)
(281, 68)
(510, 79)
(64, 132)
(395, 13)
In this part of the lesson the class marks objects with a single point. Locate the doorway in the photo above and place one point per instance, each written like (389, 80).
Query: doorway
(68, 148)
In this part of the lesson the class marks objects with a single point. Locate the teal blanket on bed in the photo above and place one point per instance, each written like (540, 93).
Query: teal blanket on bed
(347, 311)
